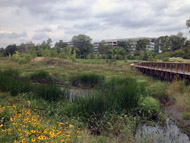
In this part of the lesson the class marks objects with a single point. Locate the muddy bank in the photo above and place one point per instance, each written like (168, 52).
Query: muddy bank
(176, 115)
(170, 133)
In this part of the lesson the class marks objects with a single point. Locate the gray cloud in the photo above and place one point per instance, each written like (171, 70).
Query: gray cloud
(40, 36)
(45, 29)
(13, 35)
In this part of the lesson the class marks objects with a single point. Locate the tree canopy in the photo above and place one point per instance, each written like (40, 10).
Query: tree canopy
(84, 45)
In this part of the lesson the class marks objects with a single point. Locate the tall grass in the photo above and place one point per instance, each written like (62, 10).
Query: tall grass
(48, 92)
(87, 79)
(11, 82)
(41, 76)
(116, 94)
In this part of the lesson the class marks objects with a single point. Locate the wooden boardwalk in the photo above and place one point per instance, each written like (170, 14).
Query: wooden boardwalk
(164, 70)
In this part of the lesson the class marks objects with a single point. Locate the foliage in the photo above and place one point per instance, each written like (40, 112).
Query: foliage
(84, 45)
(149, 107)
(2, 52)
(186, 116)
(116, 94)
(24, 125)
(125, 44)
(141, 44)
(158, 90)
(48, 92)
(87, 79)
(10, 49)
(40, 76)
(10, 82)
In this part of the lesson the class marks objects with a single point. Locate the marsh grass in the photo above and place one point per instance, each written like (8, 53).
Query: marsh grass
(181, 94)
(41, 75)
(158, 90)
(10, 82)
(87, 79)
(48, 92)
(116, 94)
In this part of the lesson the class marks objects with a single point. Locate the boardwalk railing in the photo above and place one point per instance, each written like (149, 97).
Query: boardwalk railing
(164, 69)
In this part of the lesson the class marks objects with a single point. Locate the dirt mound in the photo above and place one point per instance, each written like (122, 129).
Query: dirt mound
(39, 59)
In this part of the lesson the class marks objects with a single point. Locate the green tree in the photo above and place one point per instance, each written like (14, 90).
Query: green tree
(2, 52)
(163, 43)
(33, 53)
(187, 50)
(61, 44)
(125, 44)
(176, 42)
(10, 50)
(141, 44)
(26, 47)
(103, 48)
(84, 45)
(188, 23)
(120, 53)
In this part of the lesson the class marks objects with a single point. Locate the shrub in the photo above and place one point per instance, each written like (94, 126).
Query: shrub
(87, 79)
(149, 107)
(186, 116)
(41, 75)
(158, 90)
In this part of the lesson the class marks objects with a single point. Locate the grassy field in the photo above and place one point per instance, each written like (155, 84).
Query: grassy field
(34, 109)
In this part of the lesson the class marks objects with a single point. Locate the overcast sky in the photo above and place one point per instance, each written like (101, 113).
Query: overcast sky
(37, 20)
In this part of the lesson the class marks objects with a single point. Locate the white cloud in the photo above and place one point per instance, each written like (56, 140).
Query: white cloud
(100, 19)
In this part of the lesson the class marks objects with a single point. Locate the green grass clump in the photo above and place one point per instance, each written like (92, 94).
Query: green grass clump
(13, 84)
(11, 73)
(186, 116)
(149, 107)
(40, 76)
(87, 79)
(9, 81)
(158, 90)
(116, 94)
(48, 92)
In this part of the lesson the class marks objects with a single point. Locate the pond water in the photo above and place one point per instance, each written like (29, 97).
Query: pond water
(73, 93)
(170, 133)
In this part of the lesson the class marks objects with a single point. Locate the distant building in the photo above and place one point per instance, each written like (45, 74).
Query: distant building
(114, 42)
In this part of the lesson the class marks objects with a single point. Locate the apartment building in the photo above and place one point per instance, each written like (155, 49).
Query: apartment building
(114, 42)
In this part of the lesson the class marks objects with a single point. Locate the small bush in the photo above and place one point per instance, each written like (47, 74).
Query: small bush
(149, 107)
(87, 79)
(186, 116)
(158, 90)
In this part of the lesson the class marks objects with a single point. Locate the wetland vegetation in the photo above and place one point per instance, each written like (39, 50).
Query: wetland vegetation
(36, 106)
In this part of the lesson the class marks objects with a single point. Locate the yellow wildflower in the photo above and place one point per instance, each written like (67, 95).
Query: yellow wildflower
(23, 140)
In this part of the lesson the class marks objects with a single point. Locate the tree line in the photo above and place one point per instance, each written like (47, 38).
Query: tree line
(82, 47)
